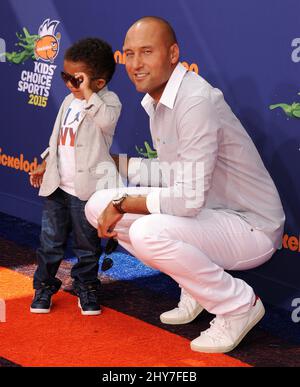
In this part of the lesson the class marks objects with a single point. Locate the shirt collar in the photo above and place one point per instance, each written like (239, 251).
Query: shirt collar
(102, 91)
(170, 92)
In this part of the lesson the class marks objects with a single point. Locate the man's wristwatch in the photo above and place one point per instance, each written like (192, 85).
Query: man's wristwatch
(117, 202)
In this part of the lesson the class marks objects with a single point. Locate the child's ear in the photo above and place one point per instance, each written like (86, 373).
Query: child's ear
(100, 83)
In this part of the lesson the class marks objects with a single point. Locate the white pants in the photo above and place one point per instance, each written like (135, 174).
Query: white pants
(193, 251)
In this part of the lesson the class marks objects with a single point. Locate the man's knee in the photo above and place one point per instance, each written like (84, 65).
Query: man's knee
(96, 204)
(89, 210)
(144, 238)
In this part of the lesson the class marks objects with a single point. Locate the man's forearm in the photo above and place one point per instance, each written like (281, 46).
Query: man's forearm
(135, 204)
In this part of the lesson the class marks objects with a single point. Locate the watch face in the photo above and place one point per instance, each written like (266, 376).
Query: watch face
(118, 197)
(117, 203)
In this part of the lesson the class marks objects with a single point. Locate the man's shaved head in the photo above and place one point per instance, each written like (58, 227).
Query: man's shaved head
(164, 26)
(152, 53)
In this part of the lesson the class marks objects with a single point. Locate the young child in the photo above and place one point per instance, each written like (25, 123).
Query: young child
(80, 141)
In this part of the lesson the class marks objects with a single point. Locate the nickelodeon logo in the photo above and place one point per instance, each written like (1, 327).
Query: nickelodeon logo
(18, 163)
(291, 242)
(120, 57)
(47, 46)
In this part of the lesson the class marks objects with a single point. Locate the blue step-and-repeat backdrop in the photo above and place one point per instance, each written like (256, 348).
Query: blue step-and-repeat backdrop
(248, 49)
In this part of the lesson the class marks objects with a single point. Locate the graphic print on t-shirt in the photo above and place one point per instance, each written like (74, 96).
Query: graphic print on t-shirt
(66, 143)
(67, 130)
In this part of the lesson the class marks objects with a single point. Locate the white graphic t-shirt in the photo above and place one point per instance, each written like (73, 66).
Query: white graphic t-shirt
(66, 142)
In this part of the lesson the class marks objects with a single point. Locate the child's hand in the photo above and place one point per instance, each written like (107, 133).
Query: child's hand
(36, 176)
(84, 85)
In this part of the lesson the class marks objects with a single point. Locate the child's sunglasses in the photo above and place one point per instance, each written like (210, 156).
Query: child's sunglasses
(75, 82)
(110, 247)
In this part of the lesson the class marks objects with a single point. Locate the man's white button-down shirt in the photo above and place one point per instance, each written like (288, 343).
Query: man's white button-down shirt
(205, 158)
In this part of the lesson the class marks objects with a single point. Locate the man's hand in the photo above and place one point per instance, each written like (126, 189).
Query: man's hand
(133, 204)
(36, 176)
(107, 222)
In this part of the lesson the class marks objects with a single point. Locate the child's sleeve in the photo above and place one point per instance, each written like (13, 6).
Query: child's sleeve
(105, 111)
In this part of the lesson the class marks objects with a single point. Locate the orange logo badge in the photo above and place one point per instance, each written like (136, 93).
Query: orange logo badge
(47, 46)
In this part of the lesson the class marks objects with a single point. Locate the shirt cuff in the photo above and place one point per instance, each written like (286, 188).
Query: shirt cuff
(133, 173)
(153, 202)
(45, 153)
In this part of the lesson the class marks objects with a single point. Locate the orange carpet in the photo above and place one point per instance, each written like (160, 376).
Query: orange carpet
(66, 338)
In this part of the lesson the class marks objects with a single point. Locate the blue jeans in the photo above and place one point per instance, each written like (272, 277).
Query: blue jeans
(62, 214)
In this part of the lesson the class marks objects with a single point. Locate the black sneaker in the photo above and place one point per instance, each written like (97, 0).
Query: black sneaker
(88, 300)
(42, 299)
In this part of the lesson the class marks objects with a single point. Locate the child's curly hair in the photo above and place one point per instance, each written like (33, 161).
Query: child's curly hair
(95, 53)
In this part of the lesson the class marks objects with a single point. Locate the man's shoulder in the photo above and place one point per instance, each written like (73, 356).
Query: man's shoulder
(193, 85)
(195, 90)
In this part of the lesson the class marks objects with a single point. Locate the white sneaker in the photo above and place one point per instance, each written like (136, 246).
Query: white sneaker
(187, 310)
(225, 333)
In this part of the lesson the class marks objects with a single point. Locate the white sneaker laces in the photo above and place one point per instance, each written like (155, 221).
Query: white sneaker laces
(218, 328)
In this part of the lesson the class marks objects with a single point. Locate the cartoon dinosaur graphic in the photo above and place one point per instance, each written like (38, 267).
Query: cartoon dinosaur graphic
(27, 42)
(149, 153)
(292, 110)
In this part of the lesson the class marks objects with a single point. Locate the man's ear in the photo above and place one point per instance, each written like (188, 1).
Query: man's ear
(174, 53)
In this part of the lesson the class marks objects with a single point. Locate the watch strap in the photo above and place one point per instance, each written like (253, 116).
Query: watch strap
(117, 203)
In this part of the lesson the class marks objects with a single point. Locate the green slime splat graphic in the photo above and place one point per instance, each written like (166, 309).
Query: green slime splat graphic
(149, 153)
(292, 110)
(27, 42)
